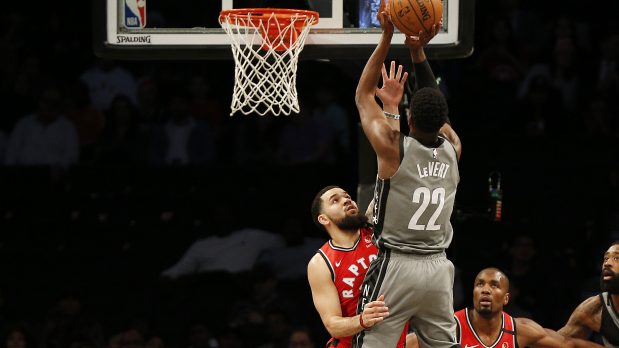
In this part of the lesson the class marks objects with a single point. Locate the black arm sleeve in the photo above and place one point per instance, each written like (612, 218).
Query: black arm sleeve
(424, 77)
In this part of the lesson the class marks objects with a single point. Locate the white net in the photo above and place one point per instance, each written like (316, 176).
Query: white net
(266, 48)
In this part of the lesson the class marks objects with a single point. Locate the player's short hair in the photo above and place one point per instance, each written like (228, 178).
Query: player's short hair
(429, 109)
(317, 205)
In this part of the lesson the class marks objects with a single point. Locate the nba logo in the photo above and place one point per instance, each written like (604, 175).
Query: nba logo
(135, 14)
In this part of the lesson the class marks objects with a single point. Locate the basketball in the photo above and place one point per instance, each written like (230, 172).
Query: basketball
(413, 16)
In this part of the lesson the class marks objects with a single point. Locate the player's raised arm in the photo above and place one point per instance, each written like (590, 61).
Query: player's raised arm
(424, 77)
(531, 334)
(326, 300)
(383, 138)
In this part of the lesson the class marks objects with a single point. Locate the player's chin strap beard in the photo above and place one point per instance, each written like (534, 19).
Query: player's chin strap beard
(611, 286)
(353, 222)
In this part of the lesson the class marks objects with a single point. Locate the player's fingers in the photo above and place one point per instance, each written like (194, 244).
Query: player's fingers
(375, 311)
(398, 74)
(412, 39)
(404, 78)
(392, 69)
(381, 297)
(383, 71)
(374, 304)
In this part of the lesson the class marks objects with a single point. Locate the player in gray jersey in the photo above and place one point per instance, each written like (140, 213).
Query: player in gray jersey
(600, 313)
(414, 197)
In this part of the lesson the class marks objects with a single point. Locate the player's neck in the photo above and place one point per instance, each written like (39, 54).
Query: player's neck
(345, 239)
(487, 327)
(427, 139)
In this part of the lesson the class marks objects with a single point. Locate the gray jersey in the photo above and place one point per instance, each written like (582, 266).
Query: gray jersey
(412, 208)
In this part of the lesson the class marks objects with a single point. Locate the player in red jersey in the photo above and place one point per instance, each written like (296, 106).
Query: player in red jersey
(487, 325)
(337, 270)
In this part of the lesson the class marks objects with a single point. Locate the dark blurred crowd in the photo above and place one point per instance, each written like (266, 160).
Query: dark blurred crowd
(137, 213)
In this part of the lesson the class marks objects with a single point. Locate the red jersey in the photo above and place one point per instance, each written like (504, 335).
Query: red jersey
(348, 267)
(468, 338)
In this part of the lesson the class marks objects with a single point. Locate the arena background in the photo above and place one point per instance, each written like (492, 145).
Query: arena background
(88, 243)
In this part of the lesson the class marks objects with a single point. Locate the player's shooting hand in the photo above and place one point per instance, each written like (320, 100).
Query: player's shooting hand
(375, 311)
(393, 85)
(384, 19)
(422, 39)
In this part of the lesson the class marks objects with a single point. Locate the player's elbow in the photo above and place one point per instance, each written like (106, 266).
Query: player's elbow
(334, 328)
(333, 332)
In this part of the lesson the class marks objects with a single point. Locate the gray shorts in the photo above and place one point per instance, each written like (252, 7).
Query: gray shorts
(416, 287)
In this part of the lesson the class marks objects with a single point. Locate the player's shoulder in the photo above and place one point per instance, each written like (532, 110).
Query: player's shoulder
(589, 306)
(526, 322)
(317, 265)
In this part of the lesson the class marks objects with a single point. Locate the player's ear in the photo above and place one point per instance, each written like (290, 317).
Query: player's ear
(506, 299)
(323, 219)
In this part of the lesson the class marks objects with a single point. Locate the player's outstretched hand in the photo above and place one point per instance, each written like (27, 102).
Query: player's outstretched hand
(384, 19)
(422, 39)
(393, 85)
(374, 312)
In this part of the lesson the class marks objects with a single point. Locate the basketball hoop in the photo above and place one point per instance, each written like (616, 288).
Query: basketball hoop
(266, 43)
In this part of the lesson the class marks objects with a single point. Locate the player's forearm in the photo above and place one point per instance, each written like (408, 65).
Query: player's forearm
(368, 81)
(343, 326)
(424, 77)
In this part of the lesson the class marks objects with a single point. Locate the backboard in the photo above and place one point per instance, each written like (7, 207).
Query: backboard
(347, 29)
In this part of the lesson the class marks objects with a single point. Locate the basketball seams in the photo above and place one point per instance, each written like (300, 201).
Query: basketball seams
(419, 17)
(393, 10)
(403, 23)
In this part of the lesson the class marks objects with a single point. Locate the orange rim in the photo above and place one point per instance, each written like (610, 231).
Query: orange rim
(258, 15)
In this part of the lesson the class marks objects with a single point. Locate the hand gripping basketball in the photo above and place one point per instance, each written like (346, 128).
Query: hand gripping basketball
(374, 312)
(423, 37)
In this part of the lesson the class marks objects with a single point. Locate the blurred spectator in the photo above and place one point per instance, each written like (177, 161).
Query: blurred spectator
(89, 122)
(234, 253)
(18, 336)
(105, 81)
(330, 113)
(304, 139)
(203, 105)
(201, 337)
(278, 329)
(300, 338)
(28, 78)
(565, 73)
(149, 102)
(229, 338)
(608, 65)
(66, 324)
(539, 104)
(154, 342)
(182, 140)
(131, 338)
(598, 119)
(3, 141)
(122, 142)
(525, 274)
(289, 262)
(45, 137)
